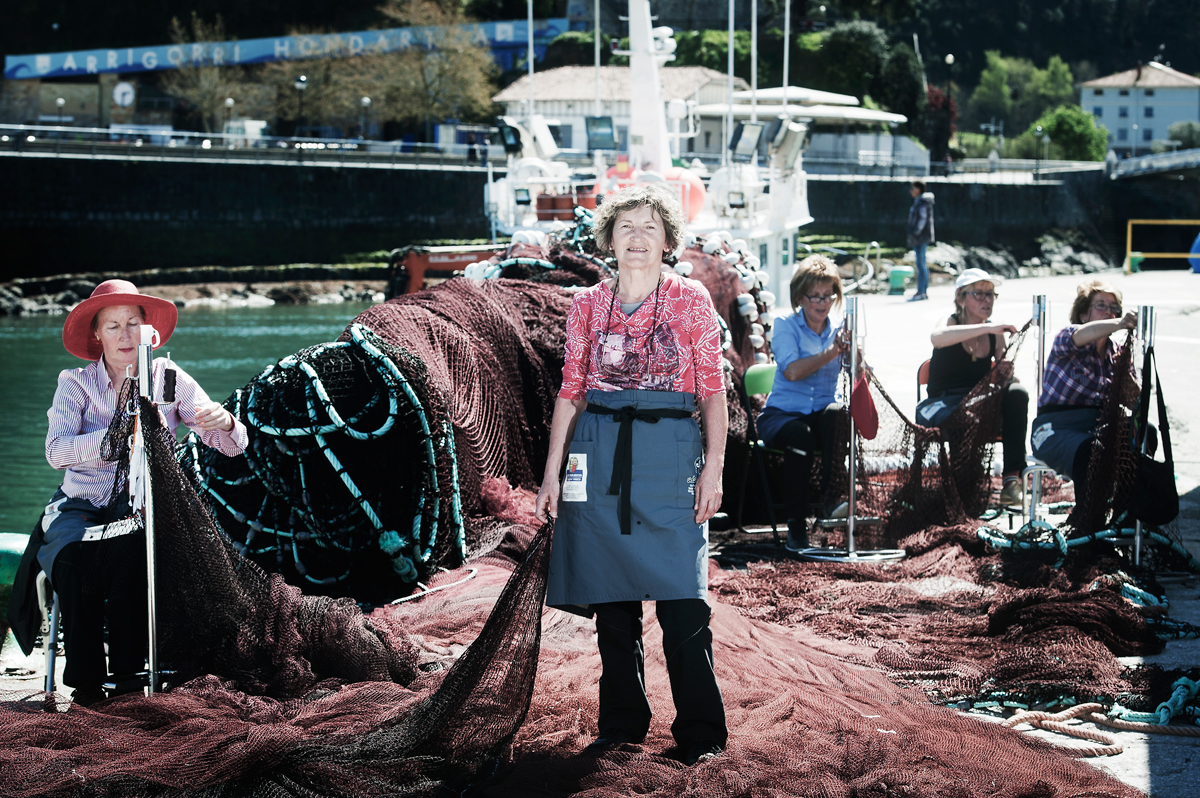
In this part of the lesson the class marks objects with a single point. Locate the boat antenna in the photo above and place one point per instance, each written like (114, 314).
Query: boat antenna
(787, 50)
(529, 24)
(728, 94)
(596, 36)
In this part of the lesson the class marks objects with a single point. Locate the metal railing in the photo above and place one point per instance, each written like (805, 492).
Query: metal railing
(140, 144)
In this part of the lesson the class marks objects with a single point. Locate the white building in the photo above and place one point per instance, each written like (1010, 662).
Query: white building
(1138, 105)
(567, 95)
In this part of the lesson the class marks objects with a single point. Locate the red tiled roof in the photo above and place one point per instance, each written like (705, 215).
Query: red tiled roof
(578, 83)
(1151, 75)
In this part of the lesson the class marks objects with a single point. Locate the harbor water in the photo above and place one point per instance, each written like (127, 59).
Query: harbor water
(223, 348)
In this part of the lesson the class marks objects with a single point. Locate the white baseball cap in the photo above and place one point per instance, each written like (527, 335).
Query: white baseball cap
(970, 276)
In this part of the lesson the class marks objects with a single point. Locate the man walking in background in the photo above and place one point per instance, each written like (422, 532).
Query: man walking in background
(920, 234)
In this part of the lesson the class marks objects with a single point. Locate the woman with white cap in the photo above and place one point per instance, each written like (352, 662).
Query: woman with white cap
(103, 579)
(966, 344)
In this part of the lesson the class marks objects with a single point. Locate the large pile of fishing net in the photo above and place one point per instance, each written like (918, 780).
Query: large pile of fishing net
(279, 694)
(836, 678)
(368, 456)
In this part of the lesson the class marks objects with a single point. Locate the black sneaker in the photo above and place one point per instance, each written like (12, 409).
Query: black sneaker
(88, 694)
(696, 753)
(797, 537)
(608, 740)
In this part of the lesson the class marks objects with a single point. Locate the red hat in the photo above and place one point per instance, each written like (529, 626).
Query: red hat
(81, 341)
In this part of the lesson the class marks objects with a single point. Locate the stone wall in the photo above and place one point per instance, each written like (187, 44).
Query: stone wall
(68, 215)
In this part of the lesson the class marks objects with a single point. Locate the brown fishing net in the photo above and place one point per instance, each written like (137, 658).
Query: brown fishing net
(417, 439)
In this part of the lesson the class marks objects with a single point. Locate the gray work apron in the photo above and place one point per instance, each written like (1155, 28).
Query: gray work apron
(665, 554)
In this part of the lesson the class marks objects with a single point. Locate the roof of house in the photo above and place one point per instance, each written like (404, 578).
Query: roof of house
(578, 83)
(1151, 75)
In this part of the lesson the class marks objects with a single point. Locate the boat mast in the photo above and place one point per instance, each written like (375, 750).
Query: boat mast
(753, 60)
(728, 95)
(529, 25)
(596, 36)
(787, 50)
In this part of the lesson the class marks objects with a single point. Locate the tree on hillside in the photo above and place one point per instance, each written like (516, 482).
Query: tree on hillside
(900, 86)
(992, 98)
(203, 83)
(854, 54)
(941, 112)
(452, 77)
(575, 48)
(1073, 134)
(1186, 133)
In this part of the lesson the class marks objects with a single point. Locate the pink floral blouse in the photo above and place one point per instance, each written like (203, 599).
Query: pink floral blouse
(671, 343)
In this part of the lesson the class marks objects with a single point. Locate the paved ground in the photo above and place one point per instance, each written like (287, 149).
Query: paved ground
(898, 341)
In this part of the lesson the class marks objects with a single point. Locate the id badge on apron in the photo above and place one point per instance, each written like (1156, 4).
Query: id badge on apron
(575, 481)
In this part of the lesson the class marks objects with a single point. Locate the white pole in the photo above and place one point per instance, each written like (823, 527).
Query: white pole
(852, 326)
(596, 35)
(529, 6)
(753, 60)
(145, 388)
(728, 93)
(787, 49)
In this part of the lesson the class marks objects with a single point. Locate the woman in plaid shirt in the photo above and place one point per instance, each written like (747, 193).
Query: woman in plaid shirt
(1076, 383)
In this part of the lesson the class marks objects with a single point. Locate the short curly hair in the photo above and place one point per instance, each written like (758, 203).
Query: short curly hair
(1083, 297)
(812, 271)
(658, 196)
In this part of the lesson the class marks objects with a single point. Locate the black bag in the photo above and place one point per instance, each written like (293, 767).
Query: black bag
(1155, 499)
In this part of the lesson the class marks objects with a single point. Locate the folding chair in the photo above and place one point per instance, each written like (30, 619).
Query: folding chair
(48, 601)
(757, 380)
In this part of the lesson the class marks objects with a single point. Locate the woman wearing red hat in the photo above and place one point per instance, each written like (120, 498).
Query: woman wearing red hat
(89, 576)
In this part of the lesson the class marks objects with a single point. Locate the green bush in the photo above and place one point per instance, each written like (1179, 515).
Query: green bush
(1073, 133)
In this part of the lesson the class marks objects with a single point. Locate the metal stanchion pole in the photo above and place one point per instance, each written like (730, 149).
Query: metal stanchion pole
(145, 389)
(1146, 329)
(855, 328)
(851, 501)
(1040, 314)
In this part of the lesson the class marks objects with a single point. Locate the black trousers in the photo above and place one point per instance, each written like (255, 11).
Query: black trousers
(799, 439)
(96, 580)
(1014, 419)
(687, 644)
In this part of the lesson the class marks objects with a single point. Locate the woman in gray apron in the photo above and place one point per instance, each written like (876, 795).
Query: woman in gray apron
(629, 481)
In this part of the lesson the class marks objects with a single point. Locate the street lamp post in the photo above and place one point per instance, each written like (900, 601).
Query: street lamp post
(366, 106)
(228, 115)
(59, 103)
(301, 84)
(949, 104)
(1037, 162)
(1133, 144)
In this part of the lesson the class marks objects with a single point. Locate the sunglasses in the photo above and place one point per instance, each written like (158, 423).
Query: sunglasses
(1104, 307)
(820, 300)
(983, 295)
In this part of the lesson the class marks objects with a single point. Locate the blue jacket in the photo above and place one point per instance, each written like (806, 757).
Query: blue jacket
(920, 220)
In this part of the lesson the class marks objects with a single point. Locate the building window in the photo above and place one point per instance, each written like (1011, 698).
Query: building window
(1147, 134)
(1148, 112)
(1098, 111)
(1097, 92)
(1149, 92)
(1123, 134)
(1124, 92)
(1123, 112)
(707, 140)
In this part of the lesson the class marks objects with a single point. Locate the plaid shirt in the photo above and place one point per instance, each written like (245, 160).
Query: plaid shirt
(1077, 376)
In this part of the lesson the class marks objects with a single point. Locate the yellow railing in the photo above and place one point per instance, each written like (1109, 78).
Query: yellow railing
(1131, 265)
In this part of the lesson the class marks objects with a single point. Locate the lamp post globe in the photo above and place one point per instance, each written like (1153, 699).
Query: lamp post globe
(301, 84)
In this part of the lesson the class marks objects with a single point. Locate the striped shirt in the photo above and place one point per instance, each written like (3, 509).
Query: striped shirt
(84, 405)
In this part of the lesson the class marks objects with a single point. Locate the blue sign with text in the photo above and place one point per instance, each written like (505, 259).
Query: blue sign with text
(507, 40)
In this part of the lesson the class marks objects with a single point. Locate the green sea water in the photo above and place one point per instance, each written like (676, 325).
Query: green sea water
(222, 348)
